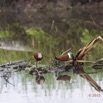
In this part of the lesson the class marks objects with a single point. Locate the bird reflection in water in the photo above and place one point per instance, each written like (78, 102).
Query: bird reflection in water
(64, 78)
(40, 79)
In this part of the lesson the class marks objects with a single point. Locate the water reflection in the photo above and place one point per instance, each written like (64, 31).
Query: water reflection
(40, 79)
(27, 90)
(64, 78)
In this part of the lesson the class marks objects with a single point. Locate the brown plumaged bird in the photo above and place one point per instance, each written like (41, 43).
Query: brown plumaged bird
(38, 56)
(64, 57)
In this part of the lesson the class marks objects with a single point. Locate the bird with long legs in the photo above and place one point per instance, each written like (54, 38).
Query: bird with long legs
(38, 56)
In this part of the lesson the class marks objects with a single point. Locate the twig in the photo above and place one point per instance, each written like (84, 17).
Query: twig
(6, 79)
(6, 76)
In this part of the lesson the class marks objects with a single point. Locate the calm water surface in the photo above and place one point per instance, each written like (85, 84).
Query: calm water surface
(26, 90)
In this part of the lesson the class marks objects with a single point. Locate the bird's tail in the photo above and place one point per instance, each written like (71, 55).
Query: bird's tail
(91, 81)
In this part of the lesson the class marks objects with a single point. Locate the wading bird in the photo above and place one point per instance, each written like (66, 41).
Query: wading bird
(64, 57)
(38, 56)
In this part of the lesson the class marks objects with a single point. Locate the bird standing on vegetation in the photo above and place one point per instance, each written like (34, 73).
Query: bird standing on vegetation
(64, 57)
(38, 56)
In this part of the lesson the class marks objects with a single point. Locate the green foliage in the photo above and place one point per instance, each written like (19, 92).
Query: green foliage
(11, 55)
(101, 33)
(86, 36)
(89, 34)
(4, 34)
(36, 33)
(40, 35)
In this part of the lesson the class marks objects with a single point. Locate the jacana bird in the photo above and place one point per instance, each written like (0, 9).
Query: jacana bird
(38, 56)
(64, 57)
